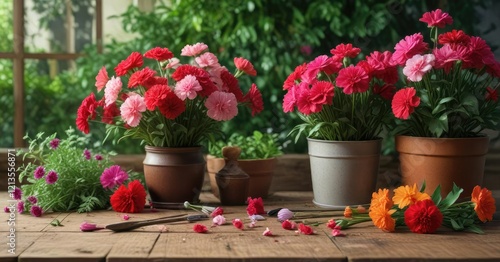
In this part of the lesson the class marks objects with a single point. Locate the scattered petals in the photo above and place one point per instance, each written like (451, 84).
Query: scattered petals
(237, 223)
(219, 220)
(217, 211)
(305, 229)
(126, 217)
(199, 228)
(267, 232)
(89, 227)
(288, 225)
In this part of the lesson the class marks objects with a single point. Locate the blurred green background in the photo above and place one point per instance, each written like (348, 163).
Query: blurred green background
(275, 35)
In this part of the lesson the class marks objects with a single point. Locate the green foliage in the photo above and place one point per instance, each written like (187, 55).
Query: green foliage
(256, 146)
(78, 185)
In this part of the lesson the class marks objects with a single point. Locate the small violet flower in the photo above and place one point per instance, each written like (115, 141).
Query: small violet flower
(113, 176)
(6, 209)
(32, 199)
(16, 194)
(51, 177)
(126, 217)
(86, 154)
(98, 157)
(219, 220)
(36, 211)
(39, 172)
(284, 214)
(54, 144)
(20, 207)
(88, 227)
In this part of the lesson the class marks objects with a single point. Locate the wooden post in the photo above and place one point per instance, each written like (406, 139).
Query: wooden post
(18, 71)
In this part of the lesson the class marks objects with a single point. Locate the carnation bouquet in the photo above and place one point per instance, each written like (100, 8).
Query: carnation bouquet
(451, 86)
(177, 105)
(422, 213)
(340, 100)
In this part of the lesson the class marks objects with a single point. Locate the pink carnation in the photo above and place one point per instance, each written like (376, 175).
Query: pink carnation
(344, 50)
(322, 93)
(446, 57)
(187, 88)
(408, 47)
(193, 50)
(417, 66)
(131, 110)
(207, 60)
(290, 99)
(113, 176)
(404, 102)
(221, 106)
(353, 79)
(304, 103)
(173, 63)
(36, 211)
(51, 177)
(101, 79)
(113, 88)
(436, 18)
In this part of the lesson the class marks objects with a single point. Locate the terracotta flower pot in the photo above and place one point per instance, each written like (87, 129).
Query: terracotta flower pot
(343, 172)
(442, 161)
(174, 175)
(261, 172)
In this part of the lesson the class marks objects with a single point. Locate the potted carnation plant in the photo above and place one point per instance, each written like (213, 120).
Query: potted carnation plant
(257, 159)
(344, 107)
(449, 97)
(171, 110)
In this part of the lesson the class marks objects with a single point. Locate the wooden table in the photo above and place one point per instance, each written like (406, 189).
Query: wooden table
(37, 240)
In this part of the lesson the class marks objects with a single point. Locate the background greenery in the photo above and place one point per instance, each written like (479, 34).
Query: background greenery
(276, 35)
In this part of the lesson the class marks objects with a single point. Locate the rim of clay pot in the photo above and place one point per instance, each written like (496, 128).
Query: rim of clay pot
(159, 149)
(244, 160)
(339, 142)
(442, 146)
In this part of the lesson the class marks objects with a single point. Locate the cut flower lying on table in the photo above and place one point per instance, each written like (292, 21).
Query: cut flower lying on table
(422, 213)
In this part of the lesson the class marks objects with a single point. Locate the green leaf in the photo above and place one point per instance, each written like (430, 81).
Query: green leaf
(456, 226)
(56, 223)
(445, 100)
(474, 229)
(471, 104)
(436, 195)
(438, 126)
(451, 198)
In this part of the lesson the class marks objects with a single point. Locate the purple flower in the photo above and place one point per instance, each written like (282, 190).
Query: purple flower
(36, 211)
(113, 176)
(6, 209)
(88, 227)
(39, 172)
(16, 194)
(86, 154)
(20, 207)
(54, 143)
(284, 214)
(32, 199)
(98, 157)
(51, 177)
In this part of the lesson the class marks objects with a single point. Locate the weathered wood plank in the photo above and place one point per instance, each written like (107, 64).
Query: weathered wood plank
(132, 247)
(23, 240)
(244, 247)
(68, 246)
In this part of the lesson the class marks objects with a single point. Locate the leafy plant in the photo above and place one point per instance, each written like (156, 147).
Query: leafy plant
(77, 180)
(256, 146)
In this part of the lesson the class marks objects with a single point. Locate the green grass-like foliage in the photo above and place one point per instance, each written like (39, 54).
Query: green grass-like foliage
(78, 186)
(256, 146)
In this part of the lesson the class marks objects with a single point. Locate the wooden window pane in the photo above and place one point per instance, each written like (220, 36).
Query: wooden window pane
(7, 102)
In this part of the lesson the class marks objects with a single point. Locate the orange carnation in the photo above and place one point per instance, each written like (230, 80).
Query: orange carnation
(382, 218)
(408, 195)
(348, 212)
(381, 199)
(484, 203)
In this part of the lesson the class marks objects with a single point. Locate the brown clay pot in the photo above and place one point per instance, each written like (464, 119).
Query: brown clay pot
(442, 161)
(174, 175)
(261, 172)
(233, 190)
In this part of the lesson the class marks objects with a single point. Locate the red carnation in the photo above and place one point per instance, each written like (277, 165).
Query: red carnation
(404, 102)
(159, 54)
(201, 75)
(294, 76)
(156, 80)
(172, 106)
(237, 223)
(141, 77)
(199, 228)
(423, 217)
(155, 95)
(344, 50)
(245, 66)
(306, 230)
(288, 225)
(85, 111)
(454, 38)
(255, 206)
(217, 211)
(109, 113)
(322, 93)
(133, 60)
(436, 18)
(254, 99)
(230, 84)
(129, 199)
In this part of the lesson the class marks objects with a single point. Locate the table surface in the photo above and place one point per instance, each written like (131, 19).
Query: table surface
(37, 240)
